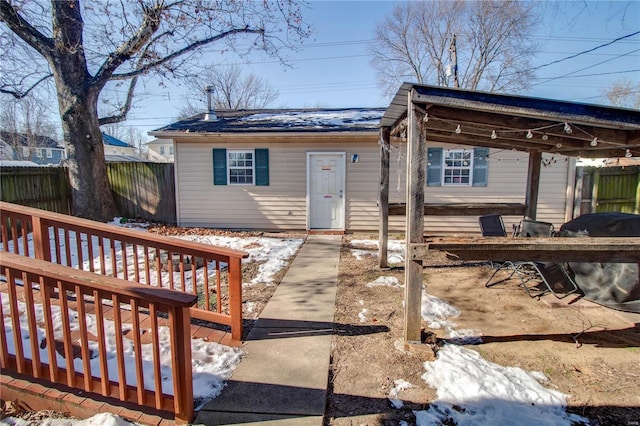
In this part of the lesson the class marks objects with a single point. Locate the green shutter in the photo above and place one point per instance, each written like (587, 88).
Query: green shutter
(480, 166)
(219, 166)
(434, 167)
(262, 167)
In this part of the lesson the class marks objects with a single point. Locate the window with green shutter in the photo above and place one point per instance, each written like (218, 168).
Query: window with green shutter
(241, 167)
(457, 167)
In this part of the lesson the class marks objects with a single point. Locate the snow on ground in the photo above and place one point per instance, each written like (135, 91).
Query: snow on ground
(272, 253)
(474, 391)
(385, 282)
(395, 249)
(400, 385)
(102, 419)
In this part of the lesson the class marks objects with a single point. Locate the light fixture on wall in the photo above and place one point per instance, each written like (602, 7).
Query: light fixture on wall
(354, 158)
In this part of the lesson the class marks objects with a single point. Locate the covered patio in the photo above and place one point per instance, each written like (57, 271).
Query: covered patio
(426, 114)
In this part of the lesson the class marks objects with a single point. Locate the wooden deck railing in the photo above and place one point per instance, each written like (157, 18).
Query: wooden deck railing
(212, 273)
(71, 327)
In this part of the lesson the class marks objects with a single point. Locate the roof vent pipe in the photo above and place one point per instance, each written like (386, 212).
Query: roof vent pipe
(211, 114)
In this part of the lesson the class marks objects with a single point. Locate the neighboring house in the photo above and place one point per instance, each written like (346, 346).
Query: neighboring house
(115, 147)
(6, 151)
(39, 149)
(161, 150)
(320, 169)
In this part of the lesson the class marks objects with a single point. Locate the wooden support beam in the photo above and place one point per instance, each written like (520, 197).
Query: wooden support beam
(383, 197)
(463, 209)
(533, 184)
(549, 249)
(416, 170)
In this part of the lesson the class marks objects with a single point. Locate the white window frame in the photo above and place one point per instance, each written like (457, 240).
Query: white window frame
(457, 164)
(171, 150)
(161, 149)
(39, 152)
(252, 168)
(26, 152)
(49, 153)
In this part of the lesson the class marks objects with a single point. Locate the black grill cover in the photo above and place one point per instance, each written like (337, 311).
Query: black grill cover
(615, 285)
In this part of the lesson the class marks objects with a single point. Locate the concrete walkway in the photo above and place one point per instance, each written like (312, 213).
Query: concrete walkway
(283, 376)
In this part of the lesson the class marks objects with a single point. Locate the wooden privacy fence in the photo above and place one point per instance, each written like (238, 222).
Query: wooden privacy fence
(52, 335)
(140, 190)
(213, 274)
(144, 190)
(607, 189)
(41, 187)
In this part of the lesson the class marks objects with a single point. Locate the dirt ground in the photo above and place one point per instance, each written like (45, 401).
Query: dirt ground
(588, 352)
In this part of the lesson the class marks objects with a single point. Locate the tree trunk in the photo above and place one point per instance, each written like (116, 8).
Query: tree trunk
(90, 190)
(78, 102)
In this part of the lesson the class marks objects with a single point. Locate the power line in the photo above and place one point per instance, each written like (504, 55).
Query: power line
(583, 52)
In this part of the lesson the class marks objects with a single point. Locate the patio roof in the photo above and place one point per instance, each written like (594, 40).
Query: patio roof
(528, 124)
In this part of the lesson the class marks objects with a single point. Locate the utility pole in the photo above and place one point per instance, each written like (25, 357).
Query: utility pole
(453, 58)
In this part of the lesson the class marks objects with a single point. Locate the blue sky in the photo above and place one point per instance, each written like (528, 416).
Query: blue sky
(332, 68)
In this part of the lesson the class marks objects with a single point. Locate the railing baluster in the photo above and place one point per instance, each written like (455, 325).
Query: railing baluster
(135, 320)
(159, 267)
(25, 240)
(136, 266)
(183, 284)
(123, 254)
(15, 321)
(84, 339)
(155, 347)
(194, 276)
(79, 250)
(32, 324)
(170, 269)
(5, 235)
(66, 330)
(147, 273)
(90, 252)
(205, 285)
(114, 259)
(218, 288)
(102, 347)
(117, 322)
(46, 290)
(67, 247)
(4, 350)
(14, 236)
(56, 244)
(103, 269)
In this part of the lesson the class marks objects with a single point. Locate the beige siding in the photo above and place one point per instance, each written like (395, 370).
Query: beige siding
(282, 204)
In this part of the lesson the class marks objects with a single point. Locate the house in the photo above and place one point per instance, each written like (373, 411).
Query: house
(39, 149)
(114, 147)
(160, 150)
(319, 169)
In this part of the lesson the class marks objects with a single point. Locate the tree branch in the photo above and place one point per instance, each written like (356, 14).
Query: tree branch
(148, 27)
(16, 23)
(143, 69)
(18, 94)
(124, 110)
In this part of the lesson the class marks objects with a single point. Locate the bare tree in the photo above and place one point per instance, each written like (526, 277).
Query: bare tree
(30, 116)
(489, 39)
(623, 93)
(232, 89)
(84, 46)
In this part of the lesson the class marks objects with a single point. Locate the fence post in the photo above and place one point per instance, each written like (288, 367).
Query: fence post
(235, 297)
(180, 320)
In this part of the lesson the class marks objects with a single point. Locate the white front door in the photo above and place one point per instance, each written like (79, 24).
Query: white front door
(325, 183)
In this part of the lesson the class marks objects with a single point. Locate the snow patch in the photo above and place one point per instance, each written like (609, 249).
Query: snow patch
(385, 281)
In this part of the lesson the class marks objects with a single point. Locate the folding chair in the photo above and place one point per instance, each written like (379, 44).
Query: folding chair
(554, 276)
(493, 226)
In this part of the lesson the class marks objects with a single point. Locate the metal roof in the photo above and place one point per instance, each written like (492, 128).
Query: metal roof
(517, 122)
